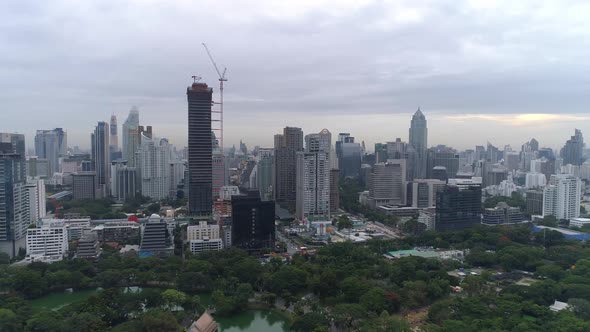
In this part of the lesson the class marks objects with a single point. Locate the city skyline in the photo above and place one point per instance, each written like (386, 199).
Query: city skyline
(516, 66)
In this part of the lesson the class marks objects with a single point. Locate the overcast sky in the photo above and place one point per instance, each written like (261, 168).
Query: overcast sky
(498, 71)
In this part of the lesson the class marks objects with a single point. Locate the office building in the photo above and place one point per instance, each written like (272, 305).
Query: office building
(88, 246)
(118, 231)
(562, 197)
(534, 202)
(386, 183)
(502, 214)
(493, 154)
(84, 185)
(37, 199)
(37, 167)
(51, 145)
(14, 196)
(313, 178)
(334, 190)
(131, 138)
(573, 151)
(200, 149)
(253, 222)
(155, 238)
(204, 237)
(512, 161)
(535, 180)
(123, 181)
(177, 170)
(349, 156)
(421, 193)
(101, 158)
(419, 143)
(47, 243)
(264, 173)
(286, 147)
(154, 163)
(440, 173)
(381, 153)
(458, 206)
(445, 158)
(114, 151)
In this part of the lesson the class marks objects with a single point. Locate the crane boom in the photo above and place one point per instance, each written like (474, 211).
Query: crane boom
(221, 76)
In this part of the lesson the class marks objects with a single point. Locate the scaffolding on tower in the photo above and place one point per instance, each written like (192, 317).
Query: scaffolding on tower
(218, 158)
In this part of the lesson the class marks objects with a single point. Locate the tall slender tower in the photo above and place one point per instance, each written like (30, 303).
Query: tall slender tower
(286, 147)
(101, 158)
(131, 139)
(114, 137)
(419, 143)
(200, 148)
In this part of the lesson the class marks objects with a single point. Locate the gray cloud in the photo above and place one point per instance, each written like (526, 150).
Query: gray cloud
(72, 63)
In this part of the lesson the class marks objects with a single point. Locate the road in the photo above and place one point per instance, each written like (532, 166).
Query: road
(291, 246)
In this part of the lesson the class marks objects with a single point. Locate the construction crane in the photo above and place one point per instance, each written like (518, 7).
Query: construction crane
(222, 79)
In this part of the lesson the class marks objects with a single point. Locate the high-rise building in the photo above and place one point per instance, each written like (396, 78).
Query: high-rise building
(380, 152)
(14, 196)
(493, 154)
(101, 158)
(562, 197)
(204, 237)
(131, 139)
(37, 167)
(123, 180)
(458, 206)
(349, 156)
(50, 145)
(421, 193)
(218, 167)
(446, 158)
(535, 180)
(286, 147)
(573, 151)
(313, 178)
(154, 162)
(386, 183)
(334, 190)
(114, 139)
(534, 202)
(200, 149)
(534, 145)
(419, 142)
(37, 199)
(264, 173)
(253, 222)
(84, 185)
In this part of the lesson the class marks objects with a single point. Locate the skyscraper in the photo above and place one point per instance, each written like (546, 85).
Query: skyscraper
(573, 151)
(218, 167)
(253, 222)
(265, 173)
(14, 196)
(349, 156)
(286, 147)
(562, 197)
(101, 158)
(131, 139)
(114, 139)
(154, 162)
(123, 180)
(50, 145)
(313, 178)
(386, 183)
(199, 97)
(419, 142)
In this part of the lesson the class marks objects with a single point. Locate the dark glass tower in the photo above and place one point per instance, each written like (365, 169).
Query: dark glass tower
(200, 148)
(458, 207)
(253, 222)
(101, 157)
(419, 142)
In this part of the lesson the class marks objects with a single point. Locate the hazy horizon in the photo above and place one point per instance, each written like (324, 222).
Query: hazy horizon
(498, 71)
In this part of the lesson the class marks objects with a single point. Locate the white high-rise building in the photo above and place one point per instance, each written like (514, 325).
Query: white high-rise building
(36, 190)
(562, 197)
(154, 160)
(571, 170)
(313, 178)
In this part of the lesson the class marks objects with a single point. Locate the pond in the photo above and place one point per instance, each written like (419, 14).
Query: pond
(247, 321)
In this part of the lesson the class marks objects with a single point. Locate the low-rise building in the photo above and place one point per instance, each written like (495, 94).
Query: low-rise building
(579, 222)
(118, 231)
(204, 237)
(502, 214)
(88, 246)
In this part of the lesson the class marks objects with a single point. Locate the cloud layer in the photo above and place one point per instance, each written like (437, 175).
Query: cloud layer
(475, 67)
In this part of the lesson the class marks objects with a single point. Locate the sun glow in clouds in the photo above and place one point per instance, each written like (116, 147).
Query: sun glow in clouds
(519, 119)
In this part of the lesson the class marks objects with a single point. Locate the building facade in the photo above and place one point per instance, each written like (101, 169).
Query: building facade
(200, 149)
(131, 139)
(419, 142)
(253, 222)
(562, 197)
(286, 147)
(458, 206)
(154, 163)
(101, 158)
(84, 185)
